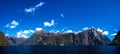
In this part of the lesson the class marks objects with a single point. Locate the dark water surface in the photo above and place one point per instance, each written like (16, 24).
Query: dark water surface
(60, 50)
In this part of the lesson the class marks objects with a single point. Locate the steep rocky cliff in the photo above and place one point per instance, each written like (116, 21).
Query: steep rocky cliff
(116, 40)
(3, 41)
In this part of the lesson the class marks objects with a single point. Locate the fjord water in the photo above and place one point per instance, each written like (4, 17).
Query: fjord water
(50, 49)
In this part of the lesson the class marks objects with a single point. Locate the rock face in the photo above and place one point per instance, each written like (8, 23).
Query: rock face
(35, 38)
(116, 40)
(15, 40)
(3, 41)
(93, 37)
(65, 39)
(87, 37)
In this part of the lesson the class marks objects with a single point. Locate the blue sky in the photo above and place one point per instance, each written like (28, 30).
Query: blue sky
(24, 17)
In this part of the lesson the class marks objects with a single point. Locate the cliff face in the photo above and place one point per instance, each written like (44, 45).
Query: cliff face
(116, 40)
(65, 39)
(35, 38)
(93, 37)
(87, 37)
(3, 41)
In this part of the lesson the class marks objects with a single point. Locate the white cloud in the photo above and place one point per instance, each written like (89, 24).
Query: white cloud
(49, 24)
(24, 33)
(19, 33)
(40, 4)
(7, 34)
(62, 15)
(22, 36)
(14, 22)
(57, 31)
(38, 29)
(100, 30)
(105, 33)
(69, 31)
(29, 10)
(54, 31)
(12, 25)
(77, 32)
(32, 31)
(86, 28)
(113, 34)
(32, 9)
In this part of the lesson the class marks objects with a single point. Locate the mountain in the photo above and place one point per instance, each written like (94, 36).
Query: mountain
(87, 37)
(116, 40)
(3, 41)
(93, 37)
(15, 40)
(64, 39)
(35, 38)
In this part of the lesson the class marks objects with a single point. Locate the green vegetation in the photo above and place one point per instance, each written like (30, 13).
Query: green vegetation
(116, 40)
(3, 41)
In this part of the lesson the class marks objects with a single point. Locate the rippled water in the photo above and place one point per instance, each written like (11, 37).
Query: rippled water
(60, 50)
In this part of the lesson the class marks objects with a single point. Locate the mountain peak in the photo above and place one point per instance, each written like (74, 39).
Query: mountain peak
(94, 29)
(40, 32)
(93, 37)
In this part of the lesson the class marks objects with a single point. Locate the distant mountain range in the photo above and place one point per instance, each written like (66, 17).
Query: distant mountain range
(87, 37)
(3, 41)
(15, 40)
